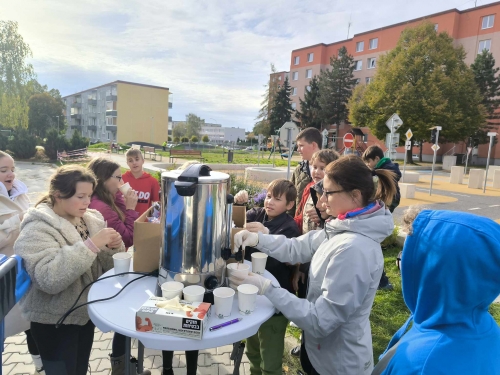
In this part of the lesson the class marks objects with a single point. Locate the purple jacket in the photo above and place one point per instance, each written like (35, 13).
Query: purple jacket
(126, 228)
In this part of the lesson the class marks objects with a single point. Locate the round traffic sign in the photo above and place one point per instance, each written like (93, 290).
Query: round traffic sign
(348, 140)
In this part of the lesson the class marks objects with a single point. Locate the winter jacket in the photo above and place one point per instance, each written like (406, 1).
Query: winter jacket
(449, 268)
(125, 228)
(388, 165)
(346, 265)
(147, 187)
(284, 225)
(59, 263)
(11, 206)
(301, 177)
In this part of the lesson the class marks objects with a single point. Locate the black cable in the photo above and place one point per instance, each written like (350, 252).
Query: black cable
(74, 307)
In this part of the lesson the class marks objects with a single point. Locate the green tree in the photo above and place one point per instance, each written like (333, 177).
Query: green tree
(205, 139)
(180, 130)
(176, 139)
(426, 81)
(488, 81)
(78, 142)
(43, 109)
(169, 138)
(194, 139)
(55, 142)
(184, 139)
(282, 109)
(24, 144)
(335, 89)
(262, 125)
(193, 125)
(309, 115)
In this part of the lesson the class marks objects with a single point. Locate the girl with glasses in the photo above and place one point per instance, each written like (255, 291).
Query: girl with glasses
(346, 265)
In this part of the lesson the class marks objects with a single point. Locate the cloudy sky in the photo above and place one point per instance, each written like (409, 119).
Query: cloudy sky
(214, 55)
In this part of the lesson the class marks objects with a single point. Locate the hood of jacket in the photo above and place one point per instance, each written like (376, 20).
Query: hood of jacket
(387, 164)
(18, 188)
(376, 225)
(450, 267)
(143, 176)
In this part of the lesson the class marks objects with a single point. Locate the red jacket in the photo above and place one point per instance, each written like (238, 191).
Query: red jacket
(125, 228)
(147, 187)
(299, 212)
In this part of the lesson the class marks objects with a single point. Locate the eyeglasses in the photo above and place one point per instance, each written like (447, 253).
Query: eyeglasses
(118, 177)
(327, 193)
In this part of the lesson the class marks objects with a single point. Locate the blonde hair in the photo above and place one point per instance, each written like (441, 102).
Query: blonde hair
(409, 216)
(325, 156)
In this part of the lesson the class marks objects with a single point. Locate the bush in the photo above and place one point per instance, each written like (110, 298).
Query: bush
(185, 139)
(169, 138)
(4, 141)
(55, 142)
(205, 139)
(392, 239)
(23, 145)
(176, 139)
(255, 197)
(77, 141)
(194, 139)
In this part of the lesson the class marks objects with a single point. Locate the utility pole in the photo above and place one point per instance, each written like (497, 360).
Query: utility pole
(435, 148)
(491, 135)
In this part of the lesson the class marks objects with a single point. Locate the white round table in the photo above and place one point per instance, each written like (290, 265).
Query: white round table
(118, 315)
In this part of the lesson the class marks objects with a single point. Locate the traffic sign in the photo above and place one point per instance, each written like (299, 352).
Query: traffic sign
(394, 122)
(348, 140)
(408, 145)
(408, 134)
(435, 147)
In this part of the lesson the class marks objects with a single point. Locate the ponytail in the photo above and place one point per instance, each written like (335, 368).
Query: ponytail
(386, 187)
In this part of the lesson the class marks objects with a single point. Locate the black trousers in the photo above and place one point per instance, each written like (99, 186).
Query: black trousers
(64, 350)
(304, 359)
(191, 360)
(32, 348)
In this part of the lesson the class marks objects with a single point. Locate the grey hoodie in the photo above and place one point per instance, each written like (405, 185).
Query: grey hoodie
(59, 264)
(346, 265)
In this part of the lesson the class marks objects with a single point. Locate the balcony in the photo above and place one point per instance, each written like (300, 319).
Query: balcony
(111, 128)
(111, 98)
(77, 116)
(76, 105)
(169, 105)
(92, 128)
(76, 127)
(169, 118)
(92, 114)
(92, 101)
(113, 113)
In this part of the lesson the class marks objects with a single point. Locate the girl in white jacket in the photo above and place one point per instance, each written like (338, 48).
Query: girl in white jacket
(346, 265)
(14, 202)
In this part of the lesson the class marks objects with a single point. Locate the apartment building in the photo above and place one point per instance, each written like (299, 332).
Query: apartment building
(218, 134)
(120, 111)
(475, 29)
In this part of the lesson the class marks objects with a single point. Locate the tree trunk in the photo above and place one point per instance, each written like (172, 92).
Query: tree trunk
(420, 152)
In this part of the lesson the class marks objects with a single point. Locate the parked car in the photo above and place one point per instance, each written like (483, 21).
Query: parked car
(249, 148)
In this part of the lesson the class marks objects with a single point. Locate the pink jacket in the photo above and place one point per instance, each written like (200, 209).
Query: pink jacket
(125, 228)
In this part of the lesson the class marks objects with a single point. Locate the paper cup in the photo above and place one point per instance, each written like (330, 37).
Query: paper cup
(193, 293)
(223, 302)
(239, 270)
(121, 262)
(247, 295)
(172, 289)
(124, 188)
(259, 263)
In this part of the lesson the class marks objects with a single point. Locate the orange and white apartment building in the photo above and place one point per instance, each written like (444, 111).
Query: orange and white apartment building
(475, 29)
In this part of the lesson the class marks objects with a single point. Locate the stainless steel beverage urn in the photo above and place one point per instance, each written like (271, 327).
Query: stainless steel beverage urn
(195, 228)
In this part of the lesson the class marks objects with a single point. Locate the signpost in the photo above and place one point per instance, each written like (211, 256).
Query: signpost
(408, 134)
(469, 150)
(259, 142)
(435, 148)
(394, 123)
(491, 135)
(348, 140)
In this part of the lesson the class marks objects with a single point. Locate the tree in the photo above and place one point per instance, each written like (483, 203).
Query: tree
(180, 130)
(43, 109)
(426, 81)
(78, 142)
(55, 142)
(205, 139)
(176, 139)
(169, 138)
(194, 139)
(335, 89)
(488, 82)
(184, 139)
(309, 116)
(23, 145)
(272, 87)
(193, 125)
(282, 110)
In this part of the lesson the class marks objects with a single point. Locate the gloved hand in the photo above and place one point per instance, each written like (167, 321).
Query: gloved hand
(256, 227)
(259, 281)
(241, 197)
(245, 238)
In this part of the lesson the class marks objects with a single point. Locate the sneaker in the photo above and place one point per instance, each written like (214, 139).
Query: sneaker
(388, 286)
(295, 351)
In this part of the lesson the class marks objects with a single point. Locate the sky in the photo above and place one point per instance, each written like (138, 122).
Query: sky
(214, 55)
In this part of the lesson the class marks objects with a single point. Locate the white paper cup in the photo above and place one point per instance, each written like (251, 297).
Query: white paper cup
(247, 295)
(124, 188)
(223, 302)
(121, 262)
(194, 293)
(239, 270)
(259, 263)
(172, 289)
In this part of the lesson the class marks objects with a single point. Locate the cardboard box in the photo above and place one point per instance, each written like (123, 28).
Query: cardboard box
(188, 324)
(240, 220)
(147, 243)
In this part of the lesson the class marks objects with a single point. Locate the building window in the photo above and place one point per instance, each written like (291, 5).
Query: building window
(295, 76)
(484, 45)
(436, 27)
(308, 88)
(279, 78)
(110, 106)
(371, 63)
(108, 136)
(296, 60)
(309, 73)
(358, 65)
(368, 80)
(274, 79)
(358, 81)
(110, 120)
(488, 22)
(294, 106)
(373, 43)
(360, 46)
(294, 91)
(310, 57)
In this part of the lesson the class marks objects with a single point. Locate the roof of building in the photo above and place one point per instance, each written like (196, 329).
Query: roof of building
(454, 10)
(115, 82)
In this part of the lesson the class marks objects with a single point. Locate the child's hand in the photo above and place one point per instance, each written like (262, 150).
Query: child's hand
(313, 215)
(241, 197)
(105, 237)
(256, 227)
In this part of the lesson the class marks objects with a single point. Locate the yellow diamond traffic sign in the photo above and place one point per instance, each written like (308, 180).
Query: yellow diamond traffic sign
(409, 134)
(435, 147)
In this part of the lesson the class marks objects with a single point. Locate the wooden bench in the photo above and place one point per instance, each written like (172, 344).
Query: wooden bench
(151, 152)
(118, 149)
(73, 156)
(183, 153)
